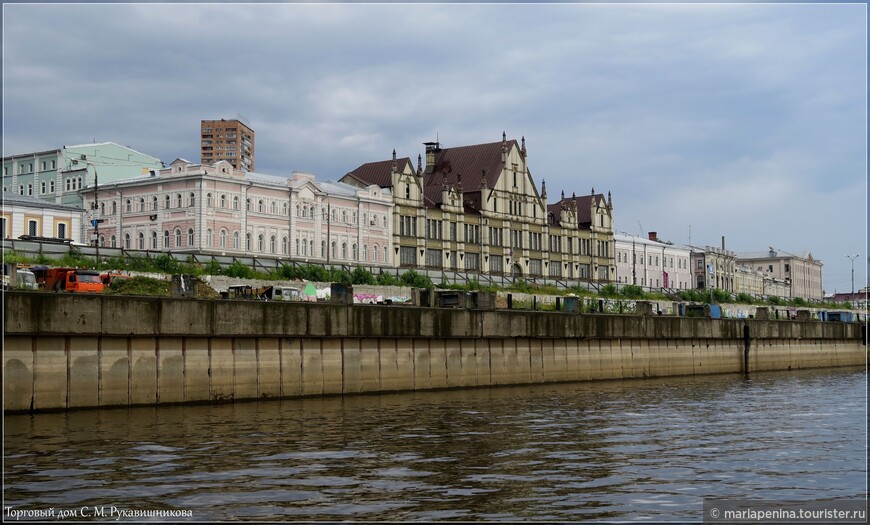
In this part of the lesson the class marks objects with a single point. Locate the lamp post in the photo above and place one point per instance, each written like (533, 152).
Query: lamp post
(95, 207)
(852, 258)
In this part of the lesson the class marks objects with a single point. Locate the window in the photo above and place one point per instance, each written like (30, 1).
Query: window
(192, 199)
(154, 203)
(141, 241)
(248, 241)
(142, 204)
(102, 240)
(273, 208)
(375, 251)
(166, 238)
(53, 164)
(114, 242)
(154, 240)
(30, 189)
(344, 217)
(190, 237)
(365, 252)
(261, 206)
(128, 205)
(235, 203)
(272, 246)
(297, 246)
(344, 250)
(208, 200)
(178, 201)
(284, 209)
(407, 191)
(284, 246)
(208, 237)
(42, 187)
(323, 248)
(236, 240)
(51, 185)
(21, 189)
(127, 241)
(261, 242)
(32, 228)
(61, 229)
(177, 237)
(166, 205)
(354, 253)
(223, 239)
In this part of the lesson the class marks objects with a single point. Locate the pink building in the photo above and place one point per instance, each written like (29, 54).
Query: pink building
(195, 208)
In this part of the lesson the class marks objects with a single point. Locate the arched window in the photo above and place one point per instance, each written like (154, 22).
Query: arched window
(365, 219)
(344, 217)
(154, 203)
(177, 237)
(166, 238)
(190, 237)
(248, 204)
(223, 238)
(208, 202)
(102, 240)
(166, 204)
(365, 252)
(235, 203)
(375, 251)
(127, 241)
(298, 252)
(103, 208)
(236, 240)
(284, 245)
(311, 246)
(222, 201)
(333, 249)
(334, 215)
(304, 247)
(192, 199)
(128, 206)
(311, 211)
(114, 242)
(344, 250)
(273, 208)
(272, 246)
(142, 204)
(248, 242)
(353, 218)
(261, 243)
(323, 248)
(261, 206)
(284, 208)
(354, 253)
(385, 221)
(297, 211)
(141, 241)
(153, 240)
(208, 238)
(178, 201)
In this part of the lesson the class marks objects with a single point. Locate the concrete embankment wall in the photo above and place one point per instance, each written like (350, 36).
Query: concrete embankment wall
(74, 351)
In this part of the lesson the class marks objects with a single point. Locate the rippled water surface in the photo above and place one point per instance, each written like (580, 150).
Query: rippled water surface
(645, 449)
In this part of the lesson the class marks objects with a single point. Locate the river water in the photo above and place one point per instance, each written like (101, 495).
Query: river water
(625, 450)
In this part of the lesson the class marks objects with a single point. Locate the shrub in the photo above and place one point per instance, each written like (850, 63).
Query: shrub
(239, 270)
(362, 276)
(139, 286)
(387, 279)
(632, 291)
(416, 280)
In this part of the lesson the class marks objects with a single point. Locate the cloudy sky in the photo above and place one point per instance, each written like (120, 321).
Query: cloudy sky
(743, 121)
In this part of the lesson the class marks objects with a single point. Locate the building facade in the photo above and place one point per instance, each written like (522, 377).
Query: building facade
(802, 271)
(477, 209)
(228, 140)
(714, 267)
(59, 175)
(195, 208)
(651, 263)
(23, 215)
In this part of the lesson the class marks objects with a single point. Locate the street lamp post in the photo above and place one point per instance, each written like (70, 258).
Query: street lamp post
(852, 258)
(95, 207)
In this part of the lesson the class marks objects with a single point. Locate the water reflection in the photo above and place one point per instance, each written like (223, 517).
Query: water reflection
(622, 449)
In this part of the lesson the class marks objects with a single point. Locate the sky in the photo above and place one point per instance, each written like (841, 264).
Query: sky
(747, 121)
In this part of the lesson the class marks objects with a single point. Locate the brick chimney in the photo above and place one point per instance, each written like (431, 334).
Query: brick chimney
(653, 236)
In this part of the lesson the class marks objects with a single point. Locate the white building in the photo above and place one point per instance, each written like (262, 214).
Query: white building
(651, 263)
(34, 217)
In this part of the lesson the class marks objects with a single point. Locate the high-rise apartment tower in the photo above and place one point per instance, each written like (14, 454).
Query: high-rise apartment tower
(230, 140)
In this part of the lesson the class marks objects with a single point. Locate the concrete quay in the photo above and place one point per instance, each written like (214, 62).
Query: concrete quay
(64, 351)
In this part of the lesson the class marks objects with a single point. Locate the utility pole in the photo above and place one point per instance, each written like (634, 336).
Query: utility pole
(852, 258)
(95, 222)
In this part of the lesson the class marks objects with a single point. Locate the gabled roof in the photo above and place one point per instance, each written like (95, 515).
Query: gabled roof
(584, 205)
(379, 173)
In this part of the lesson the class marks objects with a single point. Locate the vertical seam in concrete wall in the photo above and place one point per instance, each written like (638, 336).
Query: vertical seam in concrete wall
(33, 374)
(157, 366)
(281, 366)
(66, 349)
(129, 370)
(99, 370)
(259, 369)
(341, 353)
(184, 368)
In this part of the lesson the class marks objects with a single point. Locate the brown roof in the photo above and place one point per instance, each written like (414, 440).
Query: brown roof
(584, 208)
(469, 163)
(378, 173)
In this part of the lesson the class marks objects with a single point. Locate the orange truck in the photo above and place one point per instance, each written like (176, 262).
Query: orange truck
(72, 280)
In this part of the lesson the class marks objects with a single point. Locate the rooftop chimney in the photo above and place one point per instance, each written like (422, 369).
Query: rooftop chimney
(431, 149)
(653, 236)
